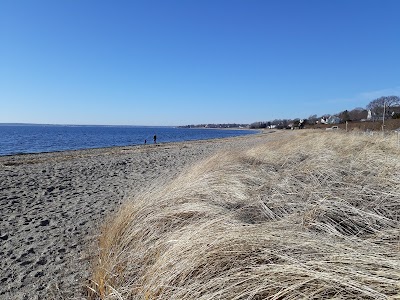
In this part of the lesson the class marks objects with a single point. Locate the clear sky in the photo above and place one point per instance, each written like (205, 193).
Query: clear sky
(188, 62)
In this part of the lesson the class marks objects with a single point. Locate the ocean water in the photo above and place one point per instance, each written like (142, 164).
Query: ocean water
(18, 139)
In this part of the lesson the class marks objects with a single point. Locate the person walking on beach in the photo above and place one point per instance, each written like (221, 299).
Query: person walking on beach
(155, 139)
(145, 142)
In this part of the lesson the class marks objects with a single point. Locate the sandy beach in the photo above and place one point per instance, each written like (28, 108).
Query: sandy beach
(52, 205)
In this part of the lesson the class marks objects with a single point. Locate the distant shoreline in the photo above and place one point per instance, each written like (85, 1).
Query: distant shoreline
(222, 128)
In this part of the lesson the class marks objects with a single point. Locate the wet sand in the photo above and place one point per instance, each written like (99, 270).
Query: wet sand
(52, 204)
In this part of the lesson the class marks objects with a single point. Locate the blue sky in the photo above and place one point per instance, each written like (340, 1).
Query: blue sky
(190, 62)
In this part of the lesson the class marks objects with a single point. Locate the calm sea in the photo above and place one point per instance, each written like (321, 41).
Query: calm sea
(16, 139)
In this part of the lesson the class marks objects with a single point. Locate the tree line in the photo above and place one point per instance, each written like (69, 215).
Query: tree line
(383, 107)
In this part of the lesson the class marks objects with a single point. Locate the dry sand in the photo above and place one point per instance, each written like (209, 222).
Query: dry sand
(51, 205)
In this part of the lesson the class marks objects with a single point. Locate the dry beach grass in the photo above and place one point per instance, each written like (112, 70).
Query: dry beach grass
(310, 216)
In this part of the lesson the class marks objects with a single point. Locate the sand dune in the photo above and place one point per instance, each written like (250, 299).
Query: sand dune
(309, 216)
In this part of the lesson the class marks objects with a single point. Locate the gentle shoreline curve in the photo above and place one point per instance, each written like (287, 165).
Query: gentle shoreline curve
(30, 140)
(52, 203)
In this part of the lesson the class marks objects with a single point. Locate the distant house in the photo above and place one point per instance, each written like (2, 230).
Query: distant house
(333, 120)
(378, 117)
(395, 112)
(330, 120)
(369, 116)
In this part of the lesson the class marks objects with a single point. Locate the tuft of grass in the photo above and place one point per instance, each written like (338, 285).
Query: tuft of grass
(313, 216)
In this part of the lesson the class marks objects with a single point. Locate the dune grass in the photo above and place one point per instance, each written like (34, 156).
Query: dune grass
(315, 216)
